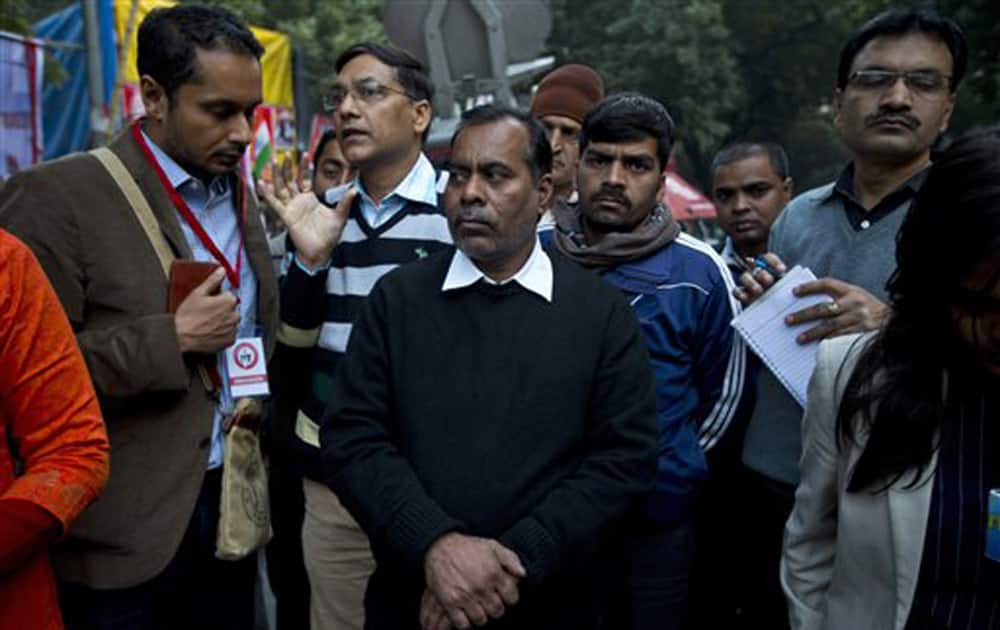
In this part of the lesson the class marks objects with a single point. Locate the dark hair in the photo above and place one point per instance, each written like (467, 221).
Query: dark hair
(743, 149)
(169, 40)
(627, 117)
(539, 153)
(328, 135)
(899, 388)
(410, 73)
(898, 22)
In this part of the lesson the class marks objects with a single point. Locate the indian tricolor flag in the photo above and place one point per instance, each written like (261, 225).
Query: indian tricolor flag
(263, 141)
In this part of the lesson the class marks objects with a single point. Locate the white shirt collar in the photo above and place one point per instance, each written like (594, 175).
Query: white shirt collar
(731, 257)
(535, 275)
(419, 185)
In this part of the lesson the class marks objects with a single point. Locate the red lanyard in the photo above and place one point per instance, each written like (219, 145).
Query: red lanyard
(192, 221)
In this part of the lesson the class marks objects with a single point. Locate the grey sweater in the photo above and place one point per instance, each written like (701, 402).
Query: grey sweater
(814, 231)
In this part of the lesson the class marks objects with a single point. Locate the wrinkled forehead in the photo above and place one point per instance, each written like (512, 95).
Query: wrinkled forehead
(503, 141)
(365, 67)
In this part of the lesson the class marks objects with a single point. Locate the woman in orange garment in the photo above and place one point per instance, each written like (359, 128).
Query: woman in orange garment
(53, 445)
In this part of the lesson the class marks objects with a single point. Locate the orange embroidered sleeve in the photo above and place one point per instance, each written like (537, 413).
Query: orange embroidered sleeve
(48, 409)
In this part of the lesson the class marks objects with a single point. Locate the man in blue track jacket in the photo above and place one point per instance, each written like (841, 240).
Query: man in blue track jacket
(679, 290)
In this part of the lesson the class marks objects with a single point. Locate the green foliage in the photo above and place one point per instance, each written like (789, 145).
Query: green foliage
(727, 69)
(731, 69)
(674, 50)
(319, 29)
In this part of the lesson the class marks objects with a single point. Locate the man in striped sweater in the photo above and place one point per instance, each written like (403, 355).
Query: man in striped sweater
(381, 104)
(679, 290)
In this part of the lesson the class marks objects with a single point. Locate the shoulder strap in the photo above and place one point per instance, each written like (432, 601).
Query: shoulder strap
(143, 212)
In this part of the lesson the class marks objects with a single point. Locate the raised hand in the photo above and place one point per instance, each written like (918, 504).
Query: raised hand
(313, 227)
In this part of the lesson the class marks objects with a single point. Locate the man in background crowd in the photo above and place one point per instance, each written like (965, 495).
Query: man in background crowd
(751, 183)
(563, 98)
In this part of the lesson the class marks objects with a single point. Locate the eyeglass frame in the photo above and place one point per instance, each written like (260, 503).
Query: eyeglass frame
(907, 77)
(329, 106)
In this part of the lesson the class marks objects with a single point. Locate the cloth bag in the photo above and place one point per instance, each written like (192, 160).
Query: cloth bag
(244, 511)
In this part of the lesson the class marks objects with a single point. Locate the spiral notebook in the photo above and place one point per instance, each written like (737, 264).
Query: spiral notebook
(762, 325)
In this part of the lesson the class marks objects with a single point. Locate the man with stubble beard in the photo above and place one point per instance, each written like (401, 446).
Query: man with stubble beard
(679, 290)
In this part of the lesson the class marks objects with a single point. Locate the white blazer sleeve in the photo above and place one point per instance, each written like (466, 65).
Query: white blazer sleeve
(811, 533)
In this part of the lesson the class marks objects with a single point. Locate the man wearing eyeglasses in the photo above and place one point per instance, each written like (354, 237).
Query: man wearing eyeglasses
(381, 104)
(896, 86)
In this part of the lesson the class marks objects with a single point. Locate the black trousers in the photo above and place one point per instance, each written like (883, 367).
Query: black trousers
(286, 568)
(769, 504)
(739, 529)
(196, 590)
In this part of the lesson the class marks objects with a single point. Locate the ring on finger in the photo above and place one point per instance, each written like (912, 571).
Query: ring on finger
(833, 307)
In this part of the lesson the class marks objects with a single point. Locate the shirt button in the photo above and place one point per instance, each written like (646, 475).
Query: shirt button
(866, 224)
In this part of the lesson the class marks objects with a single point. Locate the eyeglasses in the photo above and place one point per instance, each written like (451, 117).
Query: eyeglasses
(367, 91)
(923, 82)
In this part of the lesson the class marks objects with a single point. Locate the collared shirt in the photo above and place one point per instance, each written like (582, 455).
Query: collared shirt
(859, 217)
(535, 274)
(733, 260)
(418, 185)
(215, 208)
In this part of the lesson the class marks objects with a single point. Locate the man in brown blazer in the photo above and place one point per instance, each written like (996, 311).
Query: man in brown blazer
(143, 556)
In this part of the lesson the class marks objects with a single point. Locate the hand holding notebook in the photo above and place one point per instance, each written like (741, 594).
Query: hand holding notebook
(763, 327)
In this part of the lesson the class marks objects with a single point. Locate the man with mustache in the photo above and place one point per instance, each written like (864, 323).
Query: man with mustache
(679, 289)
(144, 555)
(494, 413)
(381, 105)
(896, 85)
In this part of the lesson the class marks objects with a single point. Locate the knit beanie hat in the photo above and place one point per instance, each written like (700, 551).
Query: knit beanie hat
(570, 91)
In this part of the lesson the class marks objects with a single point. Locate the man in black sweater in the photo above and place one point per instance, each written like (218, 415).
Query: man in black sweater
(495, 411)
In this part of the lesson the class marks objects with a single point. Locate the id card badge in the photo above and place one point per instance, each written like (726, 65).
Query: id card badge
(246, 368)
(993, 526)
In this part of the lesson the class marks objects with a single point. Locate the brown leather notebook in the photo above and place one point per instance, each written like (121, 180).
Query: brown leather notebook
(185, 276)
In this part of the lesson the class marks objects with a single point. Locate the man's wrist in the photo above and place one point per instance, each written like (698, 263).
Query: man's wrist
(312, 265)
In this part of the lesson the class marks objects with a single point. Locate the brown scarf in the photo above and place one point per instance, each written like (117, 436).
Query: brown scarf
(655, 232)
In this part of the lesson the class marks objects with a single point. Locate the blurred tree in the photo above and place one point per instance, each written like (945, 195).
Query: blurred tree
(320, 30)
(675, 50)
(731, 69)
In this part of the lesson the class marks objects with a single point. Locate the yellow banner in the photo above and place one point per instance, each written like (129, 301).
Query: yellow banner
(276, 64)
